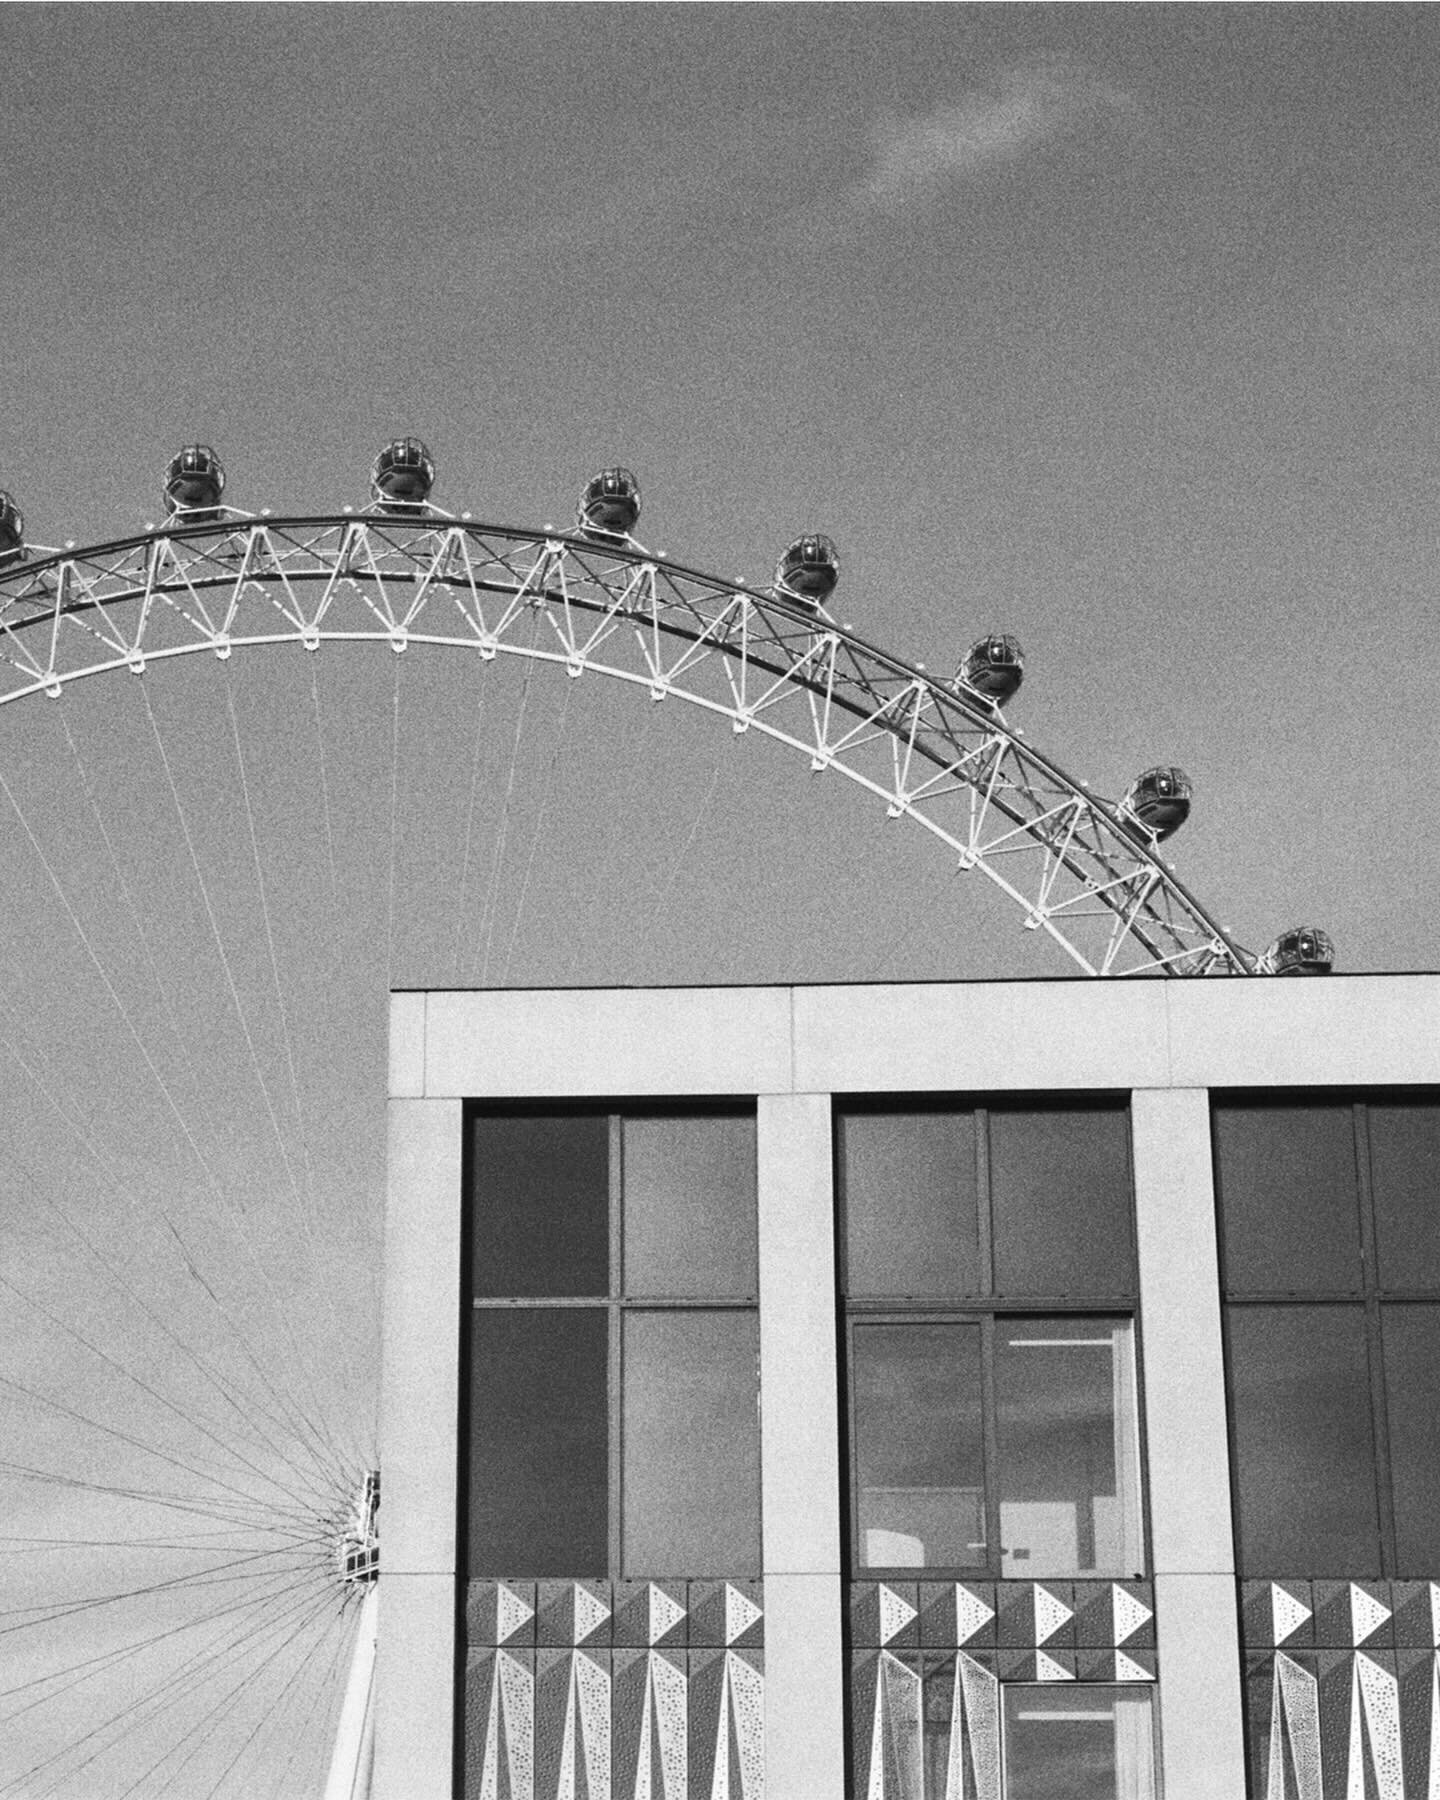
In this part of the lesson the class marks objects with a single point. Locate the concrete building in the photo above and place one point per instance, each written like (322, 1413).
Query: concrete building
(1014, 1390)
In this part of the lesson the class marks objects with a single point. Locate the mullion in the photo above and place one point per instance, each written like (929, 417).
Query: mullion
(985, 1234)
(994, 1550)
(616, 1347)
(1374, 1341)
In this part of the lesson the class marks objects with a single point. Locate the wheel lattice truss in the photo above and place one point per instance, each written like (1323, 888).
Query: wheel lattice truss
(937, 756)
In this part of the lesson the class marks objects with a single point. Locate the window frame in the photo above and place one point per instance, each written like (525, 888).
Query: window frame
(614, 1302)
(1369, 1296)
(987, 1309)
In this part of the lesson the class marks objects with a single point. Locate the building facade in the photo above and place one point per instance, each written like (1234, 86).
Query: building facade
(1017, 1390)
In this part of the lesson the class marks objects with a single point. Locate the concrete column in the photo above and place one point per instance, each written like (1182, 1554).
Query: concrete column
(800, 1451)
(419, 1452)
(1193, 1556)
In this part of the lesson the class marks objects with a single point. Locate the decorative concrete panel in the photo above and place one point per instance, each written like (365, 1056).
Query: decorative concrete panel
(1342, 1689)
(1054, 1616)
(627, 1690)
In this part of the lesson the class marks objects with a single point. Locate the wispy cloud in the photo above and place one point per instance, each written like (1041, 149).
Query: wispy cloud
(1024, 108)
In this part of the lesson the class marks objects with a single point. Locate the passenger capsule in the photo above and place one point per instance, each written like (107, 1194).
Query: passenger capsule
(1159, 800)
(12, 531)
(402, 476)
(194, 483)
(808, 571)
(993, 668)
(1304, 951)
(609, 506)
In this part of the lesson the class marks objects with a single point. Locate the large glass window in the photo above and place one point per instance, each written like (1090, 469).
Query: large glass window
(1330, 1240)
(613, 1364)
(1078, 1743)
(989, 1433)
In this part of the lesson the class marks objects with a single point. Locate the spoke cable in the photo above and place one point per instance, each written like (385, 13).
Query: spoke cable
(301, 1362)
(539, 828)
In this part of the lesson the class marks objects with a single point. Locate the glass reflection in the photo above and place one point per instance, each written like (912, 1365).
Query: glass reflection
(1304, 1453)
(1060, 1186)
(919, 1446)
(690, 1221)
(910, 1203)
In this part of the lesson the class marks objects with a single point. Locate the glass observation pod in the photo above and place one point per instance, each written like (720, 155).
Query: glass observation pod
(194, 483)
(808, 572)
(993, 668)
(1158, 801)
(402, 476)
(1305, 950)
(12, 531)
(609, 506)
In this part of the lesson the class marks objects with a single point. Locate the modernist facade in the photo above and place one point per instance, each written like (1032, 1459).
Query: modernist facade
(1017, 1390)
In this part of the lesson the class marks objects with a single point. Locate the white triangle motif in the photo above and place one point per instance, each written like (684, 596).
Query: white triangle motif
(1127, 1669)
(741, 1612)
(511, 1612)
(895, 1613)
(1367, 1614)
(1129, 1613)
(1047, 1669)
(1050, 1614)
(971, 1613)
(590, 1613)
(665, 1613)
(1287, 1614)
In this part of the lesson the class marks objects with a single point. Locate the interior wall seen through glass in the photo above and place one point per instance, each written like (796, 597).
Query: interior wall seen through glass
(691, 1434)
(690, 1218)
(1078, 1743)
(1067, 1449)
(919, 1445)
(538, 1502)
(1061, 1201)
(540, 1211)
(1304, 1456)
(1289, 1198)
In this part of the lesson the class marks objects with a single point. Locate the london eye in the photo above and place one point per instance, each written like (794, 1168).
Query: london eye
(191, 1484)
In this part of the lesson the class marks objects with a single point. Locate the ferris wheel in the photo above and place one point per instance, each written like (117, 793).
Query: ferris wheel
(207, 1626)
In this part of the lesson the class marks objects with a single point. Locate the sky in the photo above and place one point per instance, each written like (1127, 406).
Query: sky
(1111, 326)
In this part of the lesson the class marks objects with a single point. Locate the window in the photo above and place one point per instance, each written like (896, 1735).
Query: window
(613, 1344)
(989, 1274)
(1330, 1237)
(1078, 1743)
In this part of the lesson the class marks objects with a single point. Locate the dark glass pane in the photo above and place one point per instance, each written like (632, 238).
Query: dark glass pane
(539, 1437)
(919, 1446)
(1405, 1170)
(1304, 1455)
(689, 1186)
(1078, 1743)
(692, 1443)
(1288, 1207)
(910, 1208)
(1067, 1446)
(1412, 1380)
(1060, 1181)
(541, 1205)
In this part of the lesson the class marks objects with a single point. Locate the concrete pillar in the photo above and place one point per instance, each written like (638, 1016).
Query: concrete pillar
(800, 1451)
(419, 1453)
(1193, 1556)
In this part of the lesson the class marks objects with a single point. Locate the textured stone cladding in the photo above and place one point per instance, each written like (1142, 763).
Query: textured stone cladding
(930, 1657)
(602, 1690)
(1342, 1689)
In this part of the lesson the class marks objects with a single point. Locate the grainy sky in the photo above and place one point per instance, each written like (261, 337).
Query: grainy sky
(1112, 326)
